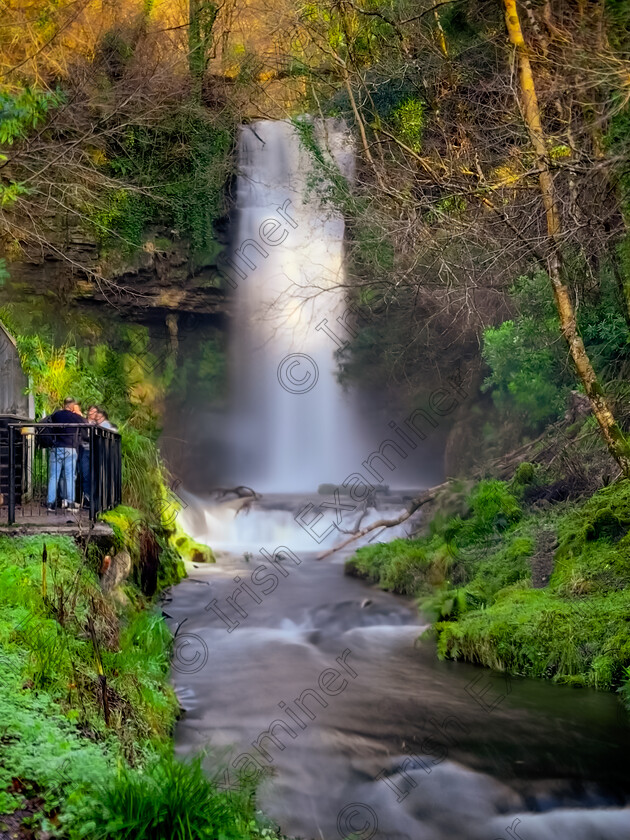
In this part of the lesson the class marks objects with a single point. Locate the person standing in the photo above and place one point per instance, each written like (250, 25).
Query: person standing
(62, 460)
(102, 418)
(84, 452)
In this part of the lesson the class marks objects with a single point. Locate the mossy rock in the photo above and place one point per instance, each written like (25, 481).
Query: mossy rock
(525, 473)
(189, 549)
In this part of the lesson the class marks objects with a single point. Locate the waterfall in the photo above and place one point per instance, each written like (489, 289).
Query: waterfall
(291, 424)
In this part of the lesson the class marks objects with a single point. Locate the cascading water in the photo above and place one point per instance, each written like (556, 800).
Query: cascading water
(292, 426)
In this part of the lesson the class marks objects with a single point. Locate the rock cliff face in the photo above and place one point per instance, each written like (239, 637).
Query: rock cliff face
(158, 281)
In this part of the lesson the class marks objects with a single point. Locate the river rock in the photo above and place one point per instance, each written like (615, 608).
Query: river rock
(118, 571)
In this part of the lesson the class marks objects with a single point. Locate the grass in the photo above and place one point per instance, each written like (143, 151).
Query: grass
(76, 766)
(472, 574)
(175, 799)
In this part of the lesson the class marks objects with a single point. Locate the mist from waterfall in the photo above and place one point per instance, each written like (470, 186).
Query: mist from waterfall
(291, 425)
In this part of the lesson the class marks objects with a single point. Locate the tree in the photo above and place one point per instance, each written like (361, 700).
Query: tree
(461, 192)
(202, 16)
(615, 441)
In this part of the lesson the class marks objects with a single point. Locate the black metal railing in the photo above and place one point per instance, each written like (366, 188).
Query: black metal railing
(32, 465)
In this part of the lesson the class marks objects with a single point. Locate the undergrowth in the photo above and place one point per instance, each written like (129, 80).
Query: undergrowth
(87, 712)
(471, 572)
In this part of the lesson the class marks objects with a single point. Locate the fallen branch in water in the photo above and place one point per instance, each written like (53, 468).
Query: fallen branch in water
(413, 506)
(241, 492)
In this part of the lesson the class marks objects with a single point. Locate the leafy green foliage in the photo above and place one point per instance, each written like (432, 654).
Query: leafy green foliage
(472, 573)
(530, 372)
(350, 34)
(49, 629)
(409, 121)
(401, 566)
(91, 780)
(20, 113)
(178, 169)
(454, 545)
(527, 358)
(103, 376)
(574, 630)
(24, 110)
(49, 690)
(531, 632)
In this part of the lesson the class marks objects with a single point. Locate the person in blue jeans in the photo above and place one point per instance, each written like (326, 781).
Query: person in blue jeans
(62, 460)
(84, 450)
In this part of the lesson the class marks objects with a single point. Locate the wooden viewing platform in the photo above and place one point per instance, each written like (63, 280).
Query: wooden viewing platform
(33, 519)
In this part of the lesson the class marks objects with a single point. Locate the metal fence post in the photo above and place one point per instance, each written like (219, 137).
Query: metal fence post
(92, 437)
(11, 511)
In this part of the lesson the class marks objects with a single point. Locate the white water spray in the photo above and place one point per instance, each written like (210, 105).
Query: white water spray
(292, 426)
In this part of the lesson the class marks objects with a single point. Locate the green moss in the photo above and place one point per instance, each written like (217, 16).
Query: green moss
(538, 634)
(575, 630)
(403, 566)
(189, 549)
(525, 473)
(592, 554)
(128, 523)
(606, 525)
(472, 574)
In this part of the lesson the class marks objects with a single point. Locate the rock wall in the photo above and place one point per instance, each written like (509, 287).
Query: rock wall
(13, 381)
(160, 279)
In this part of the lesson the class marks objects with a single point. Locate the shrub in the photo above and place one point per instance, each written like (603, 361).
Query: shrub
(174, 800)
(525, 473)
(493, 506)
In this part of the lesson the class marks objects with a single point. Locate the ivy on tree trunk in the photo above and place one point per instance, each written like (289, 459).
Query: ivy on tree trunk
(202, 15)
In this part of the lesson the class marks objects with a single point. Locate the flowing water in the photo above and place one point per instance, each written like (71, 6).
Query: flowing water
(288, 668)
(290, 425)
(320, 680)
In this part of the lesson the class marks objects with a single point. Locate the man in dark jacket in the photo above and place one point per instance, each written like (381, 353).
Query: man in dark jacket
(63, 453)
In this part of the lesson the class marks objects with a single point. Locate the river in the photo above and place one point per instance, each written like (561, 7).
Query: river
(322, 682)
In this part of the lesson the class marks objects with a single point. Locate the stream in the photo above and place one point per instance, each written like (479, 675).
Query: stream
(321, 682)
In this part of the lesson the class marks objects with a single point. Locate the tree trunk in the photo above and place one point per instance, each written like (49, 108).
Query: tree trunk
(201, 17)
(617, 445)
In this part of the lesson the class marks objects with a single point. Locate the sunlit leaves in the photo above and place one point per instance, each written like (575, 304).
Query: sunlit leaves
(20, 113)
(9, 193)
(351, 34)
(24, 111)
(409, 121)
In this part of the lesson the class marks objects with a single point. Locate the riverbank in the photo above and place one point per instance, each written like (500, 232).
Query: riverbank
(87, 711)
(529, 589)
